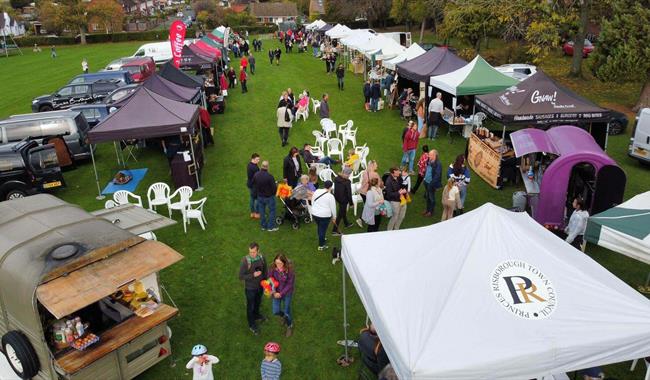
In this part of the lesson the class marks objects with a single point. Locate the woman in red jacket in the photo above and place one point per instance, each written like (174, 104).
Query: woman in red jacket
(410, 145)
(242, 79)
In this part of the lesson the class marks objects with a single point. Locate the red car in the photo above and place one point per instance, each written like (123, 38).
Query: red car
(586, 50)
(140, 68)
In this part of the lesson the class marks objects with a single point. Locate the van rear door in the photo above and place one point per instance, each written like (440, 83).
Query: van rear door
(44, 166)
(640, 144)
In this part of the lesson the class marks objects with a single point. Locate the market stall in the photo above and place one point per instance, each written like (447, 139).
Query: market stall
(171, 90)
(338, 31)
(475, 78)
(512, 302)
(69, 285)
(315, 25)
(190, 60)
(149, 115)
(624, 229)
(561, 164)
(539, 100)
(173, 74)
(490, 157)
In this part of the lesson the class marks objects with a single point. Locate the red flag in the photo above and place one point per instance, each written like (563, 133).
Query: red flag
(177, 39)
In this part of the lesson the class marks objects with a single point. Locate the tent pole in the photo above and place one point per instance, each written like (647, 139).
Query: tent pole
(117, 155)
(99, 196)
(345, 313)
(196, 164)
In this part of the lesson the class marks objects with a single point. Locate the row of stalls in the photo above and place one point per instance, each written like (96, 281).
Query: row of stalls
(165, 110)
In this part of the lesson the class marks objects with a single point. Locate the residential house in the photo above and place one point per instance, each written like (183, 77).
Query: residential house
(273, 12)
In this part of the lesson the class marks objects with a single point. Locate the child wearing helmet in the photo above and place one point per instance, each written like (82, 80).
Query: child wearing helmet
(271, 367)
(201, 363)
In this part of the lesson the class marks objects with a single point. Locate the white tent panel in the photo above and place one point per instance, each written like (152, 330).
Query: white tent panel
(339, 31)
(413, 51)
(449, 300)
(450, 81)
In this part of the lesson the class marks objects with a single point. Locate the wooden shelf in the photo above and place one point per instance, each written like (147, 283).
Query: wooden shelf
(113, 339)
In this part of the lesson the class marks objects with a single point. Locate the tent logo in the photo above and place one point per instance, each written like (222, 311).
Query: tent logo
(523, 290)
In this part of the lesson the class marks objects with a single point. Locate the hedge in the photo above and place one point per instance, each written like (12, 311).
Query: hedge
(150, 35)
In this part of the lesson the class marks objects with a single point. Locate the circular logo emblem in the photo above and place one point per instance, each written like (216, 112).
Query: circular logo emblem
(523, 290)
(478, 159)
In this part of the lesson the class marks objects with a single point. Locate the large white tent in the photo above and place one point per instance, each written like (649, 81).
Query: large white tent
(315, 25)
(624, 228)
(492, 294)
(339, 31)
(357, 39)
(413, 51)
(382, 47)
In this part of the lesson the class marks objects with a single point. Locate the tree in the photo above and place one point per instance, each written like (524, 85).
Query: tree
(51, 16)
(400, 11)
(423, 10)
(470, 20)
(107, 12)
(579, 40)
(75, 17)
(345, 10)
(623, 50)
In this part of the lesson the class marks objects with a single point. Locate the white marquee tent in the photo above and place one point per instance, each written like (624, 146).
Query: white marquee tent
(339, 31)
(382, 47)
(413, 51)
(315, 25)
(357, 39)
(491, 294)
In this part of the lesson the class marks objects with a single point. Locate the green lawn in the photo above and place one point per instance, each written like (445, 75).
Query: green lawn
(204, 285)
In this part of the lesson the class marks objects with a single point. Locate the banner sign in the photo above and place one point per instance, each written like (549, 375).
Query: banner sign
(484, 160)
(177, 39)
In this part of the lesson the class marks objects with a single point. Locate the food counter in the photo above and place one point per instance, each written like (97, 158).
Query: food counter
(488, 155)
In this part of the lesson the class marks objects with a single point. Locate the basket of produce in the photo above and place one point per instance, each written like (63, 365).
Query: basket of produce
(122, 178)
(83, 343)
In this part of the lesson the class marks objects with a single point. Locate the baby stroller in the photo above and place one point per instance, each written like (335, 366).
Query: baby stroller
(295, 211)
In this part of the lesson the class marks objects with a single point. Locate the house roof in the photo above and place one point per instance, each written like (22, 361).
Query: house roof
(273, 9)
(239, 8)
(317, 7)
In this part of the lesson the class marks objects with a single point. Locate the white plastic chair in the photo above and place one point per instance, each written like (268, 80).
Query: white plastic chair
(363, 158)
(348, 125)
(360, 148)
(160, 192)
(302, 112)
(194, 210)
(349, 135)
(327, 175)
(355, 180)
(335, 148)
(319, 167)
(121, 197)
(316, 104)
(329, 127)
(320, 139)
(356, 199)
(110, 204)
(184, 193)
(478, 118)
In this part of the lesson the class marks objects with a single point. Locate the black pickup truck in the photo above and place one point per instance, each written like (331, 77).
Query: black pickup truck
(73, 94)
(27, 168)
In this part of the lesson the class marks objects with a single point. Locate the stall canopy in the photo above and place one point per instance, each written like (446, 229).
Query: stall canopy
(508, 301)
(210, 55)
(315, 25)
(413, 51)
(338, 31)
(624, 229)
(146, 115)
(382, 47)
(192, 60)
(171, 90)
(212, 42)
(325, 28)
(540, 100)
(436, 61)
(218, 35)
(173, 74)
(477, 77)
(357, 39)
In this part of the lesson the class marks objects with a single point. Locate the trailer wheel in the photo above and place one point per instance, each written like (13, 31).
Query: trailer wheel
(20, 354)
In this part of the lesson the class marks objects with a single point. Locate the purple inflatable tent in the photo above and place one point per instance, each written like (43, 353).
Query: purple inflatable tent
(577, 167)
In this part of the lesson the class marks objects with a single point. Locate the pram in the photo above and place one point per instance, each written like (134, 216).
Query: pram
(295, 211)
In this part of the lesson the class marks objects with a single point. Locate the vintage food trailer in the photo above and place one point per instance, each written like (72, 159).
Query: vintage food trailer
(79, 294)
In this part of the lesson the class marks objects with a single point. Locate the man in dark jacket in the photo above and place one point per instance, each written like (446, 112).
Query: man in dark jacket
(343, 197)
(394, 192)
(264, 188)
(251, 169)
(432, 181)
(292, 168)
(325, 107)
(252, 270)
(372, 352)
(271, 55)
(375, 94)
(366, 94)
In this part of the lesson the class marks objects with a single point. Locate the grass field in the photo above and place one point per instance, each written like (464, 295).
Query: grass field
(205, 285)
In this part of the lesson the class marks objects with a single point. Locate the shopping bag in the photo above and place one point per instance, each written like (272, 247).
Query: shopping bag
(224, 92)
(381, 104)
(367, 105)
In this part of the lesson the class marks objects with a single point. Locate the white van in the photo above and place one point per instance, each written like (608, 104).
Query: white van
(161, 52)
(640, 140)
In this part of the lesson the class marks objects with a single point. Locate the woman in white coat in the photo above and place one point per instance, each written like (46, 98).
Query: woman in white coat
(374, 198)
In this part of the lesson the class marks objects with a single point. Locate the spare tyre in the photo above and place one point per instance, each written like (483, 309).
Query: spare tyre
(20, 354)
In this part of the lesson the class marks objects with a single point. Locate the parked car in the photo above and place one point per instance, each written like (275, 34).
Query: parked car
(567, 48)
(122, 76)
(116, 64)
(639, 147)
(120, 94)
(27, 168)
(161, 52)
(72, 94)
(519, 71)
(94, 113)
(617, 123)
(72, 125)
(140, 68)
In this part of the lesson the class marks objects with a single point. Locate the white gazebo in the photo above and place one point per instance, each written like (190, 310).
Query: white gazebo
(492, 294)
(413, 51)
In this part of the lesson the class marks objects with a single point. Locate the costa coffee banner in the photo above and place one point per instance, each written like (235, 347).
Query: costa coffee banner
(177, 39)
